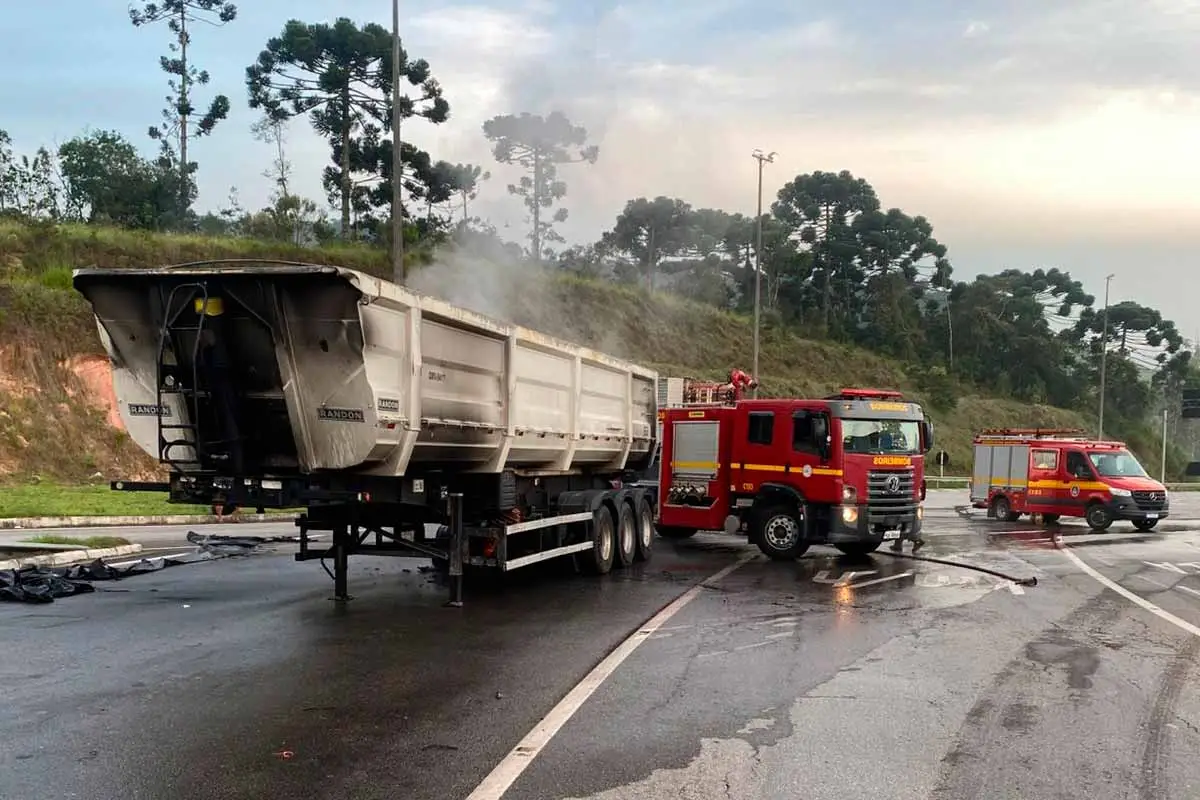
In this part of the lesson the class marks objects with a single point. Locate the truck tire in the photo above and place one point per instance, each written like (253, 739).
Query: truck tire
(778, 530)
(599, 560)
(1002, 509)
(627, 535)
(668, 532)
(1144, 525)
(645, 527)
(1098, 517)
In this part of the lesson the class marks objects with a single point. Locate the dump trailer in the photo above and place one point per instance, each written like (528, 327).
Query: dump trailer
(400, 423)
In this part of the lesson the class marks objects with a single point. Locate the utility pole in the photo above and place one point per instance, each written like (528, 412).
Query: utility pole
(397, 161)
(1163, 472)
(761, 159)
(1104, 355)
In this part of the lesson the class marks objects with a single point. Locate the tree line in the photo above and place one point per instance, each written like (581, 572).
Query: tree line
(835, 262)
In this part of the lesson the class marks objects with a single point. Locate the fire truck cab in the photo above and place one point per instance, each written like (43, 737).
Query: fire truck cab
(846, 470)
(1056, 474)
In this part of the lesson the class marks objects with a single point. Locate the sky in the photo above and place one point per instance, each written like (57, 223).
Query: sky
(1030, 133)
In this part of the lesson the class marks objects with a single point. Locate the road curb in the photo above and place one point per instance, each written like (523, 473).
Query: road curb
(68, 557)
(33, 523)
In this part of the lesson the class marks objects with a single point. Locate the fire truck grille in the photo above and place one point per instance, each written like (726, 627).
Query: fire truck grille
(1150, 500)
(889, 493)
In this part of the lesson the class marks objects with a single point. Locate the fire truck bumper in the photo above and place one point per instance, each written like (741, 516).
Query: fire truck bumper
(850, 524)
(1127, 509)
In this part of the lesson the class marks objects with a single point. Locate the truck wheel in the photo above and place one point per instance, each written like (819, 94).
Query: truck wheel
(599, 560)
(1098, 517)
(626, 534)
(1002, 509)
(645, 528)
(858, 548)
(1144, 524)
(668, 532)
(779, 533)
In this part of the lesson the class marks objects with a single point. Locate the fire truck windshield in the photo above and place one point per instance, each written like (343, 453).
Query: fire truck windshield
(881, 436)
(1117, 464)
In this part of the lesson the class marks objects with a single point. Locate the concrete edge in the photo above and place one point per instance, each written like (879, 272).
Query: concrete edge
(68, 557)
(33, 523)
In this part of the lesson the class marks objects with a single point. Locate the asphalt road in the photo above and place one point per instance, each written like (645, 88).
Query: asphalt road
(882, 677)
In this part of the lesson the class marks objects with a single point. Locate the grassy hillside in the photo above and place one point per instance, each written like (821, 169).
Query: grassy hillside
(51, 426)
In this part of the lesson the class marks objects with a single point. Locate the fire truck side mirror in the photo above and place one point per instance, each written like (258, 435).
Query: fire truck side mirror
(926, 436)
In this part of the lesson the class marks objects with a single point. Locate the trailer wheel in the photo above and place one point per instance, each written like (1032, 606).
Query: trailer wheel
(627, 534)
(1144, 525)
(1098, 517)
(1002, 509)
(779, 532)
(645, 529)
(599, 560)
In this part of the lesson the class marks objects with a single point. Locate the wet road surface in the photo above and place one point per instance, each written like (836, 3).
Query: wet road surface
(830, 677)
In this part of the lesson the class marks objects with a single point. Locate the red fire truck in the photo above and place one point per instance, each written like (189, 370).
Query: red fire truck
(846, 470)
(1057, 473)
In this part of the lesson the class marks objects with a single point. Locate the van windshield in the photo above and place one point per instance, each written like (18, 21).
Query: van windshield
(881, 436)
(1117, 464)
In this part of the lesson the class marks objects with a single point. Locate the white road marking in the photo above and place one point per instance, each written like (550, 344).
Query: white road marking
(1188, 589)
(788, 634)
(520, 757)
(884, 579)
(751, 646)
(1130, 596)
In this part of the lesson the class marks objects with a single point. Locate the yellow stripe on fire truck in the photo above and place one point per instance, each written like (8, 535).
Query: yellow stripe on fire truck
(782, 468)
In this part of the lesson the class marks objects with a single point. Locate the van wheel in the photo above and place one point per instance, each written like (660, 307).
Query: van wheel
(645, 530)
(599, 560)
(1144, 524)
(1098, 517)
(1002, 509)
(626, 534)
(779, 533)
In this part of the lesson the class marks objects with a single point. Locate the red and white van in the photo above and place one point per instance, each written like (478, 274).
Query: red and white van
(1033, 471)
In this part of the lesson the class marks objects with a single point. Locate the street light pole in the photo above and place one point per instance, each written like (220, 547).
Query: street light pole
(762, 159)
(1104, 355)
(397, 161)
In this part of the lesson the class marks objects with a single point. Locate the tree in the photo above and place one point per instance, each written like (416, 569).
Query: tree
(465, 180)
(539, 145)
(179, 14)
(107, 181)
(821, 207)
(340, 75)
(649, 230)
(29, 187)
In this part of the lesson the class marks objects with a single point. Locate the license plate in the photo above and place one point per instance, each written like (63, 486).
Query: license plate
(891, 535)
(1152, 516)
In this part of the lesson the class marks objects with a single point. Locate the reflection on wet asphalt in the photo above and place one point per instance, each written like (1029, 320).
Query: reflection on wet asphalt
(827, 677)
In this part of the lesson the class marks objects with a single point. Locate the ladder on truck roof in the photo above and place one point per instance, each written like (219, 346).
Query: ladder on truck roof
(1033, 433)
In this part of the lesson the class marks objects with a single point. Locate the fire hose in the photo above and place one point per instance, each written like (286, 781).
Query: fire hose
(1030, 581)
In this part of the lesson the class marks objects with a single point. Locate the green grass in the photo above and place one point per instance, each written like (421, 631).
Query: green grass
(57, 500)
(84, 542)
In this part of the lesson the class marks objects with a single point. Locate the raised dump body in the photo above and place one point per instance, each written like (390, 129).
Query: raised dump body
(381, 411)
(296, 369)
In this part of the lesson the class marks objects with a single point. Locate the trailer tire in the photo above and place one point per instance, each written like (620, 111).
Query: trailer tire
(627, 534)
(599, 560)
(645, 529)
(1097, 516)
(778, 530)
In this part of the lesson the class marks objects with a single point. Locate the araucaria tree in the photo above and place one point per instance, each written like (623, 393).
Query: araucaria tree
(539, 144)
(341, 75)
(180, 15)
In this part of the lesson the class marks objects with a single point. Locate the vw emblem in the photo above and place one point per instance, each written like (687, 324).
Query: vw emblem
(893, 484)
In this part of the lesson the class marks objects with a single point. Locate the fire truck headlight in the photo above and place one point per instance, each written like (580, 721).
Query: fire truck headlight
(849, 495)
(849, 514)
(1119, 492)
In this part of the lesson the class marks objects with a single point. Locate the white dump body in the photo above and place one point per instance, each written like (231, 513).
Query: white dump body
(376, 378)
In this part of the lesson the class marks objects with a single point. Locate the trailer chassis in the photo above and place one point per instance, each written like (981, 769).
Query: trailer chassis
(360, 527)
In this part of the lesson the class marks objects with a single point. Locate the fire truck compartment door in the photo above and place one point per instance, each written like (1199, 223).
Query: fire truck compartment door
(999, 466)
(696, 451)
